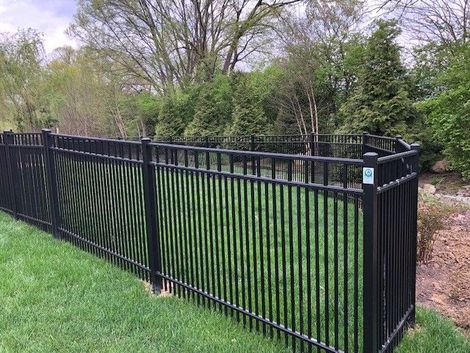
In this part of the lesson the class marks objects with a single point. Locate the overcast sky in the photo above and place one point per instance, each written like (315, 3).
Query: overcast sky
(50, 17)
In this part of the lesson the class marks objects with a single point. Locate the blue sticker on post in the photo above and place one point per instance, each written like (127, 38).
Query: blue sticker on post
(367, 175)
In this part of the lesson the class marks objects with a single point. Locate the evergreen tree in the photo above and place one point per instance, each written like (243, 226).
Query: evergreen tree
(170, 121)
(284, 124)
(380, 103)
(248, 116)
(212, 107)
(208, 119)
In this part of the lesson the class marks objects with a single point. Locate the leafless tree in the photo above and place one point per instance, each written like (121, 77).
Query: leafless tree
(172, 42)
(315, 38)
(442, 21)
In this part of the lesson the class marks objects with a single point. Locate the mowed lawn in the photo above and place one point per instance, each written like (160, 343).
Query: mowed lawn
(57, 298)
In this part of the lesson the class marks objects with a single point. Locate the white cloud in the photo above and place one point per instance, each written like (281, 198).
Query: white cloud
(49, 17)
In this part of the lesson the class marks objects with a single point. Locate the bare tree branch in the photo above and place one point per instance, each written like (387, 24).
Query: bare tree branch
(168, 42)
(442, 21)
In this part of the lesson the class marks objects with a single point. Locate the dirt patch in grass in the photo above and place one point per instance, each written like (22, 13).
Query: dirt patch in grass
(443, 284)
(165, 292)
(412, 331)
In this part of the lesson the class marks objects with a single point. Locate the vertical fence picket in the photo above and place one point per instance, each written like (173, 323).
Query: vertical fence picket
(365, 141)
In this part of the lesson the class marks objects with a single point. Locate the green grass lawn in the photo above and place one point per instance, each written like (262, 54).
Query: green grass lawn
(57, 298)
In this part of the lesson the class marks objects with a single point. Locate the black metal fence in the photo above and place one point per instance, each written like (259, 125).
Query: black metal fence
(312, 144)
(316, 250)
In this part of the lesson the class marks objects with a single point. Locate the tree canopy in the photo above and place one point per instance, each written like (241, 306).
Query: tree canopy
(241, 67)
(380, 103)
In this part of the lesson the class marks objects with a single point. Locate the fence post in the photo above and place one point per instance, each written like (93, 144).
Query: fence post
(312, 153)
(51, 181)
(365, 141)
(153, 242)
(312, 144)
(397, 143)
(414, 147)
(370, 255)
(252, 142)
(8, 138)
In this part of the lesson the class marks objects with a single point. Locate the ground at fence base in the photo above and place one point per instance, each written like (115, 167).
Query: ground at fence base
(433, 334)
(56, 297)
(164, 292)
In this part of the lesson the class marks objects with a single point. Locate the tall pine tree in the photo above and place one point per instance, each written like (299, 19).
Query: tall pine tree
(206, 120)
(248, 116)
(171, 118)
(380, 103)
(213, 109)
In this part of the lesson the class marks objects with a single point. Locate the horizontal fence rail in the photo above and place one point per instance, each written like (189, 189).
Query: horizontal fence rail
(329, 145)
(349, 146)
(279, 232)
(345, 146)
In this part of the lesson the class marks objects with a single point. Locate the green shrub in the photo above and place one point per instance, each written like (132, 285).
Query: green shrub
(449, 112)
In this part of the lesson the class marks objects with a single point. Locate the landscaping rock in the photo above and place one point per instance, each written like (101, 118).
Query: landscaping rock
(429, 188)
(440, 166)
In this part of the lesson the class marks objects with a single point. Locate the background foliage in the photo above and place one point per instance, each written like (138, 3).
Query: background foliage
(258, 68)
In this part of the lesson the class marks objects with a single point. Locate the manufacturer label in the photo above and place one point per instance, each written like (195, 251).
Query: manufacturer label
(367, 175)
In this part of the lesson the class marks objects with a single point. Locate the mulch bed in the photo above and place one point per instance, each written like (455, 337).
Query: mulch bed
(443, 284)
